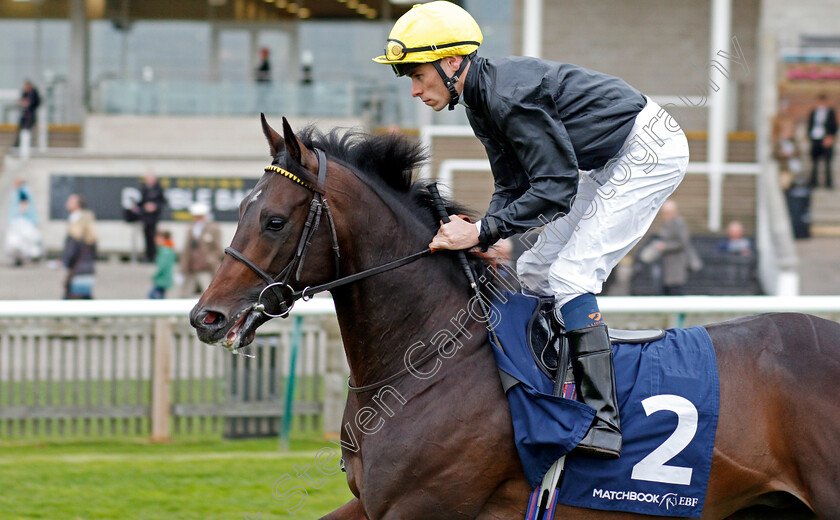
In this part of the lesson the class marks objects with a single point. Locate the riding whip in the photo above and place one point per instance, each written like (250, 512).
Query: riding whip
(462, 258)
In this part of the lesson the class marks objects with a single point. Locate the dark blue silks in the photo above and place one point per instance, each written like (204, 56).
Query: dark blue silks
(545, 427)
(668, 393)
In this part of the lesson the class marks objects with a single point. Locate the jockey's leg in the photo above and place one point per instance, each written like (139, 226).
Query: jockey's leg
(613, 209)
(592, 367)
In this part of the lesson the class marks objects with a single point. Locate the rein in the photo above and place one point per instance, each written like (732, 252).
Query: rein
(278, 285)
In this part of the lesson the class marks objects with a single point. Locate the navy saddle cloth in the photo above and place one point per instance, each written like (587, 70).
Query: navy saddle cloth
(668, 395)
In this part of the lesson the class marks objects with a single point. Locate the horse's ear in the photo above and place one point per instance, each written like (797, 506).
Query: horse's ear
(275, 141)
(296, 149)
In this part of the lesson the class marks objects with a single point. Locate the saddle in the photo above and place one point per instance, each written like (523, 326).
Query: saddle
(548, 343)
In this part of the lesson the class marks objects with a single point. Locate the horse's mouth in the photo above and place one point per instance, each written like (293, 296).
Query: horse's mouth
(243, 330)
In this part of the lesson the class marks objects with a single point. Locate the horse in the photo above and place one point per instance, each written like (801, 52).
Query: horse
(442, 446)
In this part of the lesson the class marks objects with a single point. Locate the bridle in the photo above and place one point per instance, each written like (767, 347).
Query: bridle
(279, 285)
(287, 296)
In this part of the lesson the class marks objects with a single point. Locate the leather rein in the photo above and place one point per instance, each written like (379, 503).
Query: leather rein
(279, 285)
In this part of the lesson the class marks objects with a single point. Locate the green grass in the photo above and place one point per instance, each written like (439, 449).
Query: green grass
(183, 480)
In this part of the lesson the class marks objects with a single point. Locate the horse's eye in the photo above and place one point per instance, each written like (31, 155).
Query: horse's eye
(275, 224)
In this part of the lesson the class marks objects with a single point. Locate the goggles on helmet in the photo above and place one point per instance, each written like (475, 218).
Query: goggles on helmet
(396, 51)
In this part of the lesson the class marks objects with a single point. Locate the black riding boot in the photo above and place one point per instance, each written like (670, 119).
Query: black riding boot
(592, 365)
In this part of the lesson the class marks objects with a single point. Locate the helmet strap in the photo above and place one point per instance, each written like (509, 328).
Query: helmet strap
(451, 81)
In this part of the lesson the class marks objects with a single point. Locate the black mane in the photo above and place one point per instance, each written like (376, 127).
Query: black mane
(388, 161)
(392, 158)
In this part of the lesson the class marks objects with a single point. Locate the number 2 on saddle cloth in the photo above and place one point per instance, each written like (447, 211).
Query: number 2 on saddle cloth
(668, 389)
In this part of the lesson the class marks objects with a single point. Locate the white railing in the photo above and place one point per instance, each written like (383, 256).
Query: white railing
(717, 304)
(130, 308)
(662, 305)
(137, 367)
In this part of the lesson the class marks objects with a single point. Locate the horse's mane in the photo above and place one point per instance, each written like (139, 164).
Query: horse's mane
(389, 162)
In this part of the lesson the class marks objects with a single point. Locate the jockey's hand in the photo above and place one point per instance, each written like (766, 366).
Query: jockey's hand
(455, 235)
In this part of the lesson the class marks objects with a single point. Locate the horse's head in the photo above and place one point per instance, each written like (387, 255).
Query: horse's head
(283, 243)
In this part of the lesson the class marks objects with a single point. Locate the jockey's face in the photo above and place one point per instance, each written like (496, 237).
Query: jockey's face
(427, 84)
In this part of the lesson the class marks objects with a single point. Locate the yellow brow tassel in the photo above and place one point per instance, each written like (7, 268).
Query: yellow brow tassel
(289, 175)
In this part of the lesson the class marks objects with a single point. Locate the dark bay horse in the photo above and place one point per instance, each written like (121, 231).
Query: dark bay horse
(437, 443)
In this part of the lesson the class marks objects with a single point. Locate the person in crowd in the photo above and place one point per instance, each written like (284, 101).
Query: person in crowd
(23, 238)
(79, 250)
(29, 102)
(541, 123)
(20, 193)
(675, 246)
(263, 72)
(822, 128)
(787, 153)
(202, 253)
(149, 209)
(262, 76)
(165, 260)
(735, 242)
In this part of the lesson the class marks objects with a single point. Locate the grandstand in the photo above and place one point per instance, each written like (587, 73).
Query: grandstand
(169, 90)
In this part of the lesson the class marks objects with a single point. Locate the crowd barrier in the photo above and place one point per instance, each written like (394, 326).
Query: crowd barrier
(135, 367)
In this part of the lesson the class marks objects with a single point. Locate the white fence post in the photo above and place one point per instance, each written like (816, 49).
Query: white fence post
(335, 381)
(161, 361)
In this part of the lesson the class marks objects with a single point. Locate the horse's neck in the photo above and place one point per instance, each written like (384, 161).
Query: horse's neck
(384, 316)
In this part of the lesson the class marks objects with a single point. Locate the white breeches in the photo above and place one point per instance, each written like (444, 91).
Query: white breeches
(614, 207)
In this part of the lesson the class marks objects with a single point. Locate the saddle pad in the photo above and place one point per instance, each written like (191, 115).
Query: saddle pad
(545, 427)
(668, 393)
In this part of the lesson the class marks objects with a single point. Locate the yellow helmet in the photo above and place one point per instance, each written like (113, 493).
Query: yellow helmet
(429, 32)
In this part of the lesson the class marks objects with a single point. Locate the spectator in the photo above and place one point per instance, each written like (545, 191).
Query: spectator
(165, 259)
(262, 75)
(23, 238)
(735, 243)
(263, 72)
(79, 250)
(202, 253)
(20, 193)
(29, 102)
(787, 154)
(822, 127)
(149, 209)
(675, 246)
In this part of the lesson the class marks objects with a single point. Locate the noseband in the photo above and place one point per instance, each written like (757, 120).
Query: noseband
(279, 285)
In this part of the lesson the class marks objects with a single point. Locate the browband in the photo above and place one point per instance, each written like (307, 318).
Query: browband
(322, 173)
(290, 175)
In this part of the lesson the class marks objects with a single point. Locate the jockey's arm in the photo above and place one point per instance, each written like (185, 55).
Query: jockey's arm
(540, 143)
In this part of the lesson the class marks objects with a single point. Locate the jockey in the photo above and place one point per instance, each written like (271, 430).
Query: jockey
(541, 123)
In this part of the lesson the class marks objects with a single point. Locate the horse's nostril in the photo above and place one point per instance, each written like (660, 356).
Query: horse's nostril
(210, 319)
